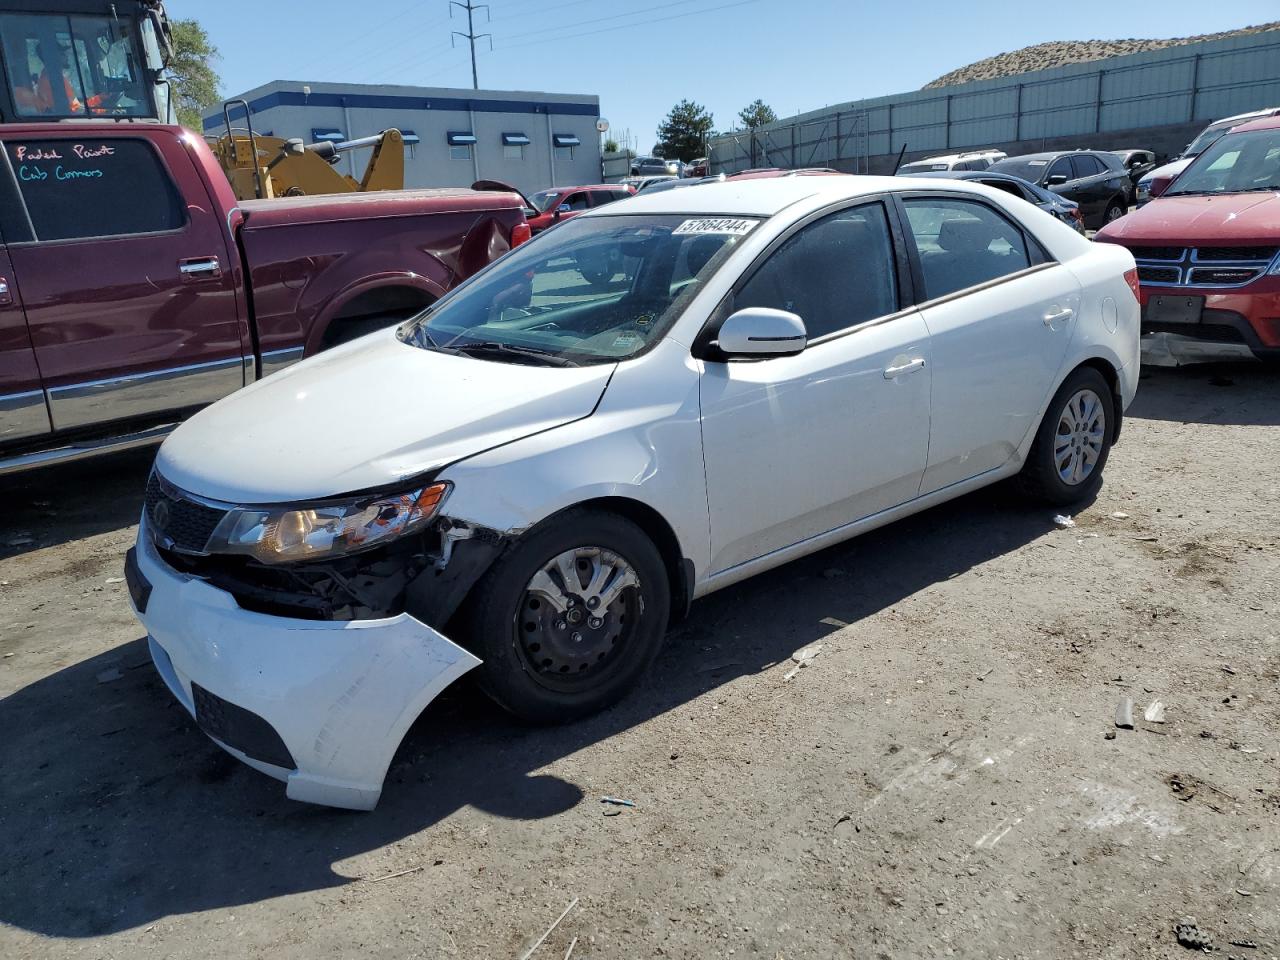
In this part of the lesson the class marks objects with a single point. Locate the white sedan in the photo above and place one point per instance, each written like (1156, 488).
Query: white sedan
(532, 478)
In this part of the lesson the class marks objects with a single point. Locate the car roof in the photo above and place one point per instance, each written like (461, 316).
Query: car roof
(765, 197)
(1264, 123)
(1241, 117)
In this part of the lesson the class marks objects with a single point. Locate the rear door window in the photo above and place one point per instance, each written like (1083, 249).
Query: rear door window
(108, 187)
(1084, 165)
(962, 243)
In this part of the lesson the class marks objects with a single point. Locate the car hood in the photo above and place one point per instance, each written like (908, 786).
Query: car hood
(1171, 169)
(1234, 219)
(368, 414)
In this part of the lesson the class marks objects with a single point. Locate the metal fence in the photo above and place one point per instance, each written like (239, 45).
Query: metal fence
(1177, 85)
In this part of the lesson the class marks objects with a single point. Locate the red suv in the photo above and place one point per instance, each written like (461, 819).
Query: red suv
(549, 207)
(1208, 249)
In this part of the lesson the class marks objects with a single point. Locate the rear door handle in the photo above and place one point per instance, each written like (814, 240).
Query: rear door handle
(200, 268)
(909, 367)
(1053, 316)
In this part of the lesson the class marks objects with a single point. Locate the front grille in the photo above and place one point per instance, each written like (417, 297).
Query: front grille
(1223, 276)
(1169, 275)
(174, 519)
(1157, 253)
(1235, 253)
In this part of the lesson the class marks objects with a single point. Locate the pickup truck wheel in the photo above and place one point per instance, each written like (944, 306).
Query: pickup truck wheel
(568, 620)
(1071, 446)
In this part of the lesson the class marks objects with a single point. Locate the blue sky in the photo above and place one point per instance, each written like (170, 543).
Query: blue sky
(641, 58)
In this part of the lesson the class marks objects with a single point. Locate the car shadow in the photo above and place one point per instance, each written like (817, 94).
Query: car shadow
(54, 505)
(1239, 394)
(116, 811)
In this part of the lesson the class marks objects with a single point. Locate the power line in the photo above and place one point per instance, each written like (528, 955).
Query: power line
(628, 26)
(612, 16)
(471, 35)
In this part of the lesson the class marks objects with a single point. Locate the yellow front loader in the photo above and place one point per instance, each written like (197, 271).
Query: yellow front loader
(259, 167)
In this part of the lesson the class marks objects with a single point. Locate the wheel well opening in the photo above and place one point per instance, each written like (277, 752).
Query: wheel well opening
(381, 306)
(664, 538)
(1113, 381)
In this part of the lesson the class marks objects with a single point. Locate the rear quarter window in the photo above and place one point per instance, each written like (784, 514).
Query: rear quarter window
(106, 187)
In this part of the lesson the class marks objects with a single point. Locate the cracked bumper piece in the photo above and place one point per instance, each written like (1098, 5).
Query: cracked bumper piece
(321, 705)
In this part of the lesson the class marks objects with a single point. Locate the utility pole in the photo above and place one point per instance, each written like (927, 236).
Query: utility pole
(471, 36)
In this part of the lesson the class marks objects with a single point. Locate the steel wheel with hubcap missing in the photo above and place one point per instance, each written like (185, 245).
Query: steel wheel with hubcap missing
(1079, 439)
(569, 617)
(1071, 445)
(577, 614)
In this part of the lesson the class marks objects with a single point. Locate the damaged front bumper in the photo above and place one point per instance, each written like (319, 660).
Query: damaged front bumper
(319, 704)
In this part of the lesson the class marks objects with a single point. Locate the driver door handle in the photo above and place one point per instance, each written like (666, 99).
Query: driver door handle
(1053, 316)
(909, 367)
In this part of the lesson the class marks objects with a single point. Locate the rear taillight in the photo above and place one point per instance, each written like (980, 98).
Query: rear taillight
(520, 233)
(1078, 217)
(1131, 278)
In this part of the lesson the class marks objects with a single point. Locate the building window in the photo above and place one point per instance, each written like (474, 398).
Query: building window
(513, 145)
(564, 144)
(327, 134)
(460, 143)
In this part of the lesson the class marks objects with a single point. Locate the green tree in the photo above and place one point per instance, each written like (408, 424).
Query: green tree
(683, 134)
(757, 114)
(195, 81)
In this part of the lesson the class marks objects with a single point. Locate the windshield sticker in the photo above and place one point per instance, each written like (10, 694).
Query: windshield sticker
(1036, 163)
(720, 225)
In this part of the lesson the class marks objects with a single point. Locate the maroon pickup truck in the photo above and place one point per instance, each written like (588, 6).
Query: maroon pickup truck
(135, 289)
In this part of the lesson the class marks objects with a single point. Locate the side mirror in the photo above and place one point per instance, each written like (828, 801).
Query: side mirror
(560, 211)
(530, 213)
(762, 332)
(1056, 180)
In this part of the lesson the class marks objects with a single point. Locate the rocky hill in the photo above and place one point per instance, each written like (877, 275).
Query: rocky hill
(1059, 53)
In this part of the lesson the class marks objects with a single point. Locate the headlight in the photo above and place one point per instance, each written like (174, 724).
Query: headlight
(1143, 190)
(289, 534)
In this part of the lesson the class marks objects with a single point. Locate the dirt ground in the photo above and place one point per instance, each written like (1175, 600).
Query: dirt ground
(943, 779)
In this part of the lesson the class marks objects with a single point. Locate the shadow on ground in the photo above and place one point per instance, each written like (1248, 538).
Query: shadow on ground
(116, 811)
(1243, 394)
(55, 505)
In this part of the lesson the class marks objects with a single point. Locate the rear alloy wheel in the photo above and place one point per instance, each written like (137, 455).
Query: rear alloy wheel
(568, 620)
(1073, 441)
(1114, 212)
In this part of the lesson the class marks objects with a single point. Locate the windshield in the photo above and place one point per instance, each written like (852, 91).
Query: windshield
(1209, 134)
(593, 290)
(67, 66)
(1030, 170)
(1236, 163)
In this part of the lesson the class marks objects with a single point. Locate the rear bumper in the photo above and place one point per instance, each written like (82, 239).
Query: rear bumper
(321, 705)
(1248, 316)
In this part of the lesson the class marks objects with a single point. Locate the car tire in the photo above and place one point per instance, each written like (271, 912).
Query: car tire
(1115, 210)
(1080, 418)
(550, 664)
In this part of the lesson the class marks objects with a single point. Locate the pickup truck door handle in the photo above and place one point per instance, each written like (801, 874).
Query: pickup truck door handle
(909, 367)
(6, 297)
(1053, 316)
(200, 268)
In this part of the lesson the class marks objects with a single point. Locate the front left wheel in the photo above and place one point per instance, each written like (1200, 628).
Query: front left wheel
(568, 620)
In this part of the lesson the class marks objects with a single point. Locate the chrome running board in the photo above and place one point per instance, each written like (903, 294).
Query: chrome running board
(83, 450)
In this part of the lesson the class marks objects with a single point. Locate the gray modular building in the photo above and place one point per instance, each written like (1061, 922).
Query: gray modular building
(453, 137)
(1156, 100)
